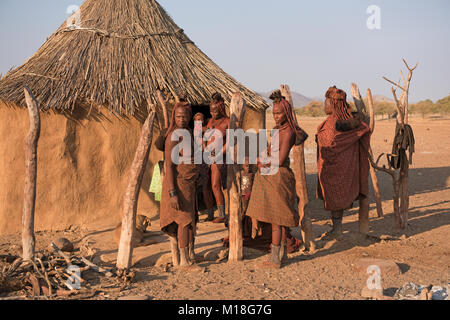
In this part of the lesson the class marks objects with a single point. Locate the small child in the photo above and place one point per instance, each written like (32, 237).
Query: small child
(204, 179)
(247, 177)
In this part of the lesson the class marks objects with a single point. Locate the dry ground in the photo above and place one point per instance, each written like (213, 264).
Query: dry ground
(423, 253)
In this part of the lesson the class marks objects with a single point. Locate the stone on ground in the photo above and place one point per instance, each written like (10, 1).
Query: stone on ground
(64, 245)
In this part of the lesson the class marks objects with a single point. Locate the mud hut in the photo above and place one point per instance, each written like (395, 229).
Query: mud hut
(93, 78)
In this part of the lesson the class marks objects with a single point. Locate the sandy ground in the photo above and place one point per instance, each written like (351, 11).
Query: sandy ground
(422, 253)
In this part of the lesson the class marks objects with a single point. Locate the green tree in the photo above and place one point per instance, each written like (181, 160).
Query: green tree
(443, 105)
(384, 108)
(423, 107)
(313, 109)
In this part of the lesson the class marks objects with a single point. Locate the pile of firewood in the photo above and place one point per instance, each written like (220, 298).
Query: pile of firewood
(55, 274)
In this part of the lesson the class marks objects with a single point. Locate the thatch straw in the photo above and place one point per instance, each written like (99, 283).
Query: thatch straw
(123, 53)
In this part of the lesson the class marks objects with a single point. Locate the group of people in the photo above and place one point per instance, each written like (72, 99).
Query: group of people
(342, 141)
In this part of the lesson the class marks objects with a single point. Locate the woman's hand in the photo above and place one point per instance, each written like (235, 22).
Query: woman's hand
(175, 203)
(262, 165)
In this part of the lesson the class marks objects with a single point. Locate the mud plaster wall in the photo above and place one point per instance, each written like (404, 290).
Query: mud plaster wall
(83, 164)
(82, 169)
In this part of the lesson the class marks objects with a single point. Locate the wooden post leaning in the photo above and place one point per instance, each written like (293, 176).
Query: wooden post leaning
(370, 120)
(301, 184)
(125, 254)
(236, 252)
(31, 143)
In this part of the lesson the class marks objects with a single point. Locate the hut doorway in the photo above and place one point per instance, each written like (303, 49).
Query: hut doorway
(204, 109)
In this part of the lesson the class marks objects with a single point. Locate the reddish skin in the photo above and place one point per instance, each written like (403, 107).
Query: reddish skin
(287, 141)
(363, 200)
(207, 196)
(246, 166)
(222, 124)
(287, 136)
(181, 122)
(328, 107)
(182, 118)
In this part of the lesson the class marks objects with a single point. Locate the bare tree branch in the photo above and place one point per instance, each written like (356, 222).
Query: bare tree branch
(395, 84)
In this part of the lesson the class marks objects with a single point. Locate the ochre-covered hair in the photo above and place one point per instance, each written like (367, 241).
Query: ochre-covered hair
(280, 101)
(338, 99)
(180, 105)
(219, 102)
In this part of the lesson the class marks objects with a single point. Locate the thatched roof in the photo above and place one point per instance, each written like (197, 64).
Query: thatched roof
(123, 53)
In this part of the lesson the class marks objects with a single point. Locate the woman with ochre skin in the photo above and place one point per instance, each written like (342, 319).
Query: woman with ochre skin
(220, 122)
(342, 162)
(178, 205)
(205, 177)
(274, 196)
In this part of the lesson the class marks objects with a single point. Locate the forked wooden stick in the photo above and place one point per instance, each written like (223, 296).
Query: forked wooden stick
(301, 184)
(125, 254)
(236, 253)
(28, 239)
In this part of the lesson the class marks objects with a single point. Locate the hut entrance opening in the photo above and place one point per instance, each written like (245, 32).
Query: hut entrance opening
(204, 109)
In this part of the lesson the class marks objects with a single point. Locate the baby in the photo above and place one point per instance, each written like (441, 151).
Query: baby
(247, 177)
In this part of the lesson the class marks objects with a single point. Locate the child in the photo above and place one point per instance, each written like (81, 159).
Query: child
(247, 177)
(204, 174)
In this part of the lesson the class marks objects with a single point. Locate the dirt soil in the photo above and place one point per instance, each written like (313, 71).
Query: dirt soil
(422, 252)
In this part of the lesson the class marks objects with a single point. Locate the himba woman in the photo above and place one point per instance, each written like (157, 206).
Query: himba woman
(178, 200)
(274, 198)
(221, 122)
(204, 170)
(342, 161)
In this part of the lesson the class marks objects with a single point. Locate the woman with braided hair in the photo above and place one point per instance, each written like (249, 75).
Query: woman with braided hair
(220, 122)
(178, 197)
(342, 161)
(274, 198)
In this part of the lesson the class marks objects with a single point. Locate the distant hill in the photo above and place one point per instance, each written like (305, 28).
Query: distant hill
(299, 100)
(381, 98)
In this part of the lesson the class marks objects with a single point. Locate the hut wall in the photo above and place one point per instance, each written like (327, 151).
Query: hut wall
(254, 119)
(83, 165)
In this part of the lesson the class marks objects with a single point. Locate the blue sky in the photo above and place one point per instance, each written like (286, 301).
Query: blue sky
(309, 45)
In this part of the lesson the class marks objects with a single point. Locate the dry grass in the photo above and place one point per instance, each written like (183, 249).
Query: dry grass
(123, 53)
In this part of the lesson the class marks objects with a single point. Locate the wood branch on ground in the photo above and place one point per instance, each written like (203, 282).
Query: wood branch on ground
(97, 268)
(61, 254)
(31, 144)
(301, 184)
(125, 254)
(236, 252)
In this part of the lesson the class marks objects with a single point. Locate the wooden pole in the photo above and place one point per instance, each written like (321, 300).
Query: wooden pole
(163, 103)
(31, 143)
(125, 254)
(373, 174)
(301, 184)
(236, 253)
(370, 120)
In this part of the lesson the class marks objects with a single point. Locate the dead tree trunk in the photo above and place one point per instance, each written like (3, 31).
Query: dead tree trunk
(368, 118)
(31, 143)
(402, 120)
(125, 254)
(236, 253)
(301, 185)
